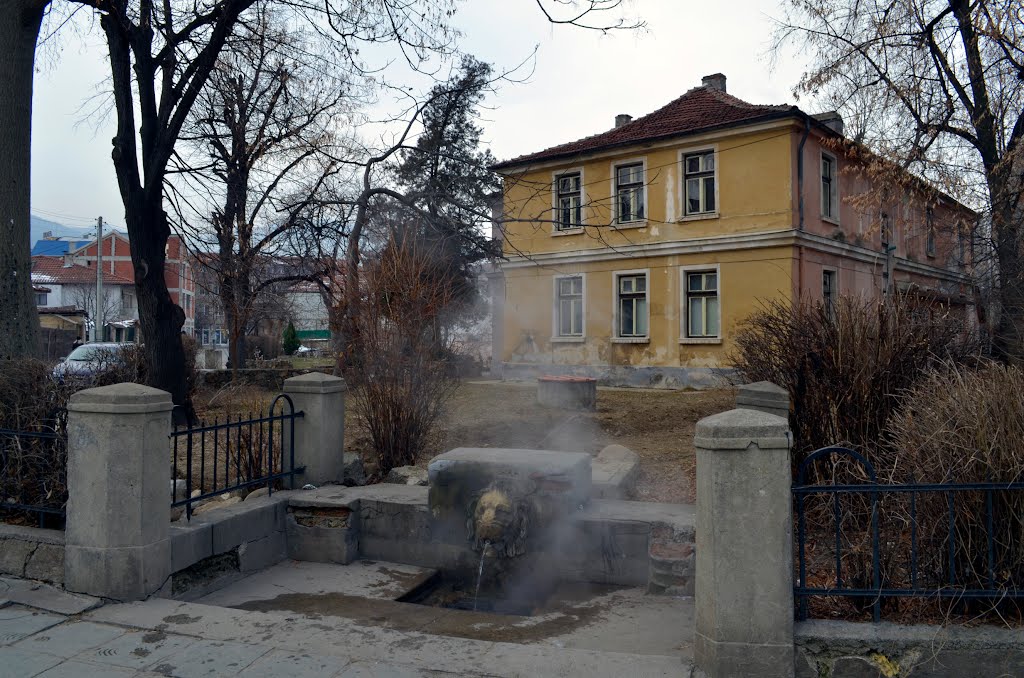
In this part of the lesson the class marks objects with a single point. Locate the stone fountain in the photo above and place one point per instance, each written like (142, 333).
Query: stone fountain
(509, 507)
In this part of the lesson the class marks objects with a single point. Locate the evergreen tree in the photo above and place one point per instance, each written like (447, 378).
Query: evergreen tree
(449, 175)
(290, 341)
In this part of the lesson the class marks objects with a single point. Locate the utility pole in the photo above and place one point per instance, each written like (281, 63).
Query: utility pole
(97, 322)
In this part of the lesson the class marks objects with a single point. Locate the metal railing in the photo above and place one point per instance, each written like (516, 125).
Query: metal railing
(912, 540)
(33, 475)
(235, 454)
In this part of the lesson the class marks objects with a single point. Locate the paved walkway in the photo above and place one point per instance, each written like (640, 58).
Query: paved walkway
(170, 638)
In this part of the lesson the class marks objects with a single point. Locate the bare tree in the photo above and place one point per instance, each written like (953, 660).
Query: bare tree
(161, 55)
(84, 297)
(256, 153)
(944, 81)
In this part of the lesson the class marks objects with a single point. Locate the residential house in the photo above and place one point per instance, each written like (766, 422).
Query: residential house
(66, 295)
(70, 274)
(633, 255)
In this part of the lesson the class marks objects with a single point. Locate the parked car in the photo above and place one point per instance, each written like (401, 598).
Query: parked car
(88, 360)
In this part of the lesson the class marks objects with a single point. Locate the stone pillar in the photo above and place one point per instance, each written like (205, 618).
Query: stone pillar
(320, 433)
(744, 577)
(764, 396)
(119, 501)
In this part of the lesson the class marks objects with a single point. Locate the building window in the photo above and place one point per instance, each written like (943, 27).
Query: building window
(699, 171)
(40, 298)
(632, 304)
(702, 304)
(829, 188)
(127, 299)
(828, 292)
(629, 193)
(569, 306)
(929, 220)
(568, 202)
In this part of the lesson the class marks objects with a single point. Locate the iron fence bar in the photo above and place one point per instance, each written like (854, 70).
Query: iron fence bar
(876, 576)
(839, 560)
(202, 461)
(188, 475)
(952, 540)
(210, 427)
(216, 447)
(913, 539)
(907, 487)
(801, 534)
(911, 593)
(988, 537)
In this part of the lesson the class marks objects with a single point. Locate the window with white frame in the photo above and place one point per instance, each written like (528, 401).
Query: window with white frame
(127, 299)
(702, 312)
(568, 201)
(631, 293)
(829, 188)
(828, 291)
(629, 193)
(699, 182)
(569, 306)
(41, 298)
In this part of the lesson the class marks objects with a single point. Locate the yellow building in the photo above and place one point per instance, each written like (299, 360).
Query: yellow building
(635, 254)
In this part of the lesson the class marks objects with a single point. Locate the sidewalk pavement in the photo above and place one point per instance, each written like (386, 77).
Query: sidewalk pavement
(52, 635)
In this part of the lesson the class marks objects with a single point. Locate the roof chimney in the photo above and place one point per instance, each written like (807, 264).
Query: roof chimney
(623, 119)
(832, 120)
(714, 81)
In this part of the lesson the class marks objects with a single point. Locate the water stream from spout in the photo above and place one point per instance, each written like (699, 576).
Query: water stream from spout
(480, 573)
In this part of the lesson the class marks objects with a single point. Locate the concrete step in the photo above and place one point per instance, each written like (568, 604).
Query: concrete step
(615, 470)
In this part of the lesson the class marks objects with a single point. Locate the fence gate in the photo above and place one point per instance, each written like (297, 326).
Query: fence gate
(232, 455)
(869, 542)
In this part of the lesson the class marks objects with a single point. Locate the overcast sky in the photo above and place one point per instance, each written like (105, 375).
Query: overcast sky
(581, 80)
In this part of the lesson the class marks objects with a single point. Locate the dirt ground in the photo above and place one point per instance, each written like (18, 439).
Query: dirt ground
(656, 424)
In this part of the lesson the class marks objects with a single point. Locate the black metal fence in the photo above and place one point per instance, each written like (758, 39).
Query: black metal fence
(33, 476)
(872, 543)
(236, 454)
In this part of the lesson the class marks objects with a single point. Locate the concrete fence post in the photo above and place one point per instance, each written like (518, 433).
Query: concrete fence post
(744, 560)
(320, 434)
(119, 501)
(764, 396)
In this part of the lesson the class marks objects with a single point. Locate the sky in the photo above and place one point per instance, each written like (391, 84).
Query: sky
(578, 81)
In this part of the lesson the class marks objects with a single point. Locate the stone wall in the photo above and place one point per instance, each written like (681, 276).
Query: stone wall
(833, 649)
(32, 553)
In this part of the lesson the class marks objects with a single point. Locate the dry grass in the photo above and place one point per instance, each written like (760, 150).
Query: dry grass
(657, 425)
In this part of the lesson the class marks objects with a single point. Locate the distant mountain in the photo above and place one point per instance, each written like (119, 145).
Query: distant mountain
(40, 226)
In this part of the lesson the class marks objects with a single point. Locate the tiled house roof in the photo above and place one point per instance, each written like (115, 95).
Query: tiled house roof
(52, 270)
(701, 109)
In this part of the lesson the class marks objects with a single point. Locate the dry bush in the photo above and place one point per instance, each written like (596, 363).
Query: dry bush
(965, 426)
(402, 376)
(845, 367)
(33, 471)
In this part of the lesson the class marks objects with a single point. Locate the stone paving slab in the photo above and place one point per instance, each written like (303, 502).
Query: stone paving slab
(210, 659)
(394, 653)
(279, 663)
(17, 622)
(75, 668)
(70, 638)
(138, 649)
(25, 663)
(45, 597)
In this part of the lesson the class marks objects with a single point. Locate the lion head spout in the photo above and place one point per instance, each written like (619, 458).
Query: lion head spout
(499, 521)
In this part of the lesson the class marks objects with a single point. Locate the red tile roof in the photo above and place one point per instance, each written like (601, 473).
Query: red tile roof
(52, 270)
(699, 110)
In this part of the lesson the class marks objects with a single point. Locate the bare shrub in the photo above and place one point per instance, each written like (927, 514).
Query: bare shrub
(961, 426)
(845, 366)
(402, 374)
(33, 470)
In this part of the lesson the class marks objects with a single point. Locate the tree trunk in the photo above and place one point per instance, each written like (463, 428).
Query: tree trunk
(19, 322)
(160, 318)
